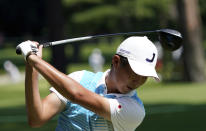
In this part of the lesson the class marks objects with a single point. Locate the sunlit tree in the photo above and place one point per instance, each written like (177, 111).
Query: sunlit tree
(193, 55)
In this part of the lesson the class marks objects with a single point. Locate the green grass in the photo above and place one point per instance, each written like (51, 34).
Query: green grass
(178, 93)
(173, 106)
(13, 94)
(169, 107)
(192, 118)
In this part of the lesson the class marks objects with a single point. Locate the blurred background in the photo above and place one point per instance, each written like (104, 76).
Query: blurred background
(177, 103)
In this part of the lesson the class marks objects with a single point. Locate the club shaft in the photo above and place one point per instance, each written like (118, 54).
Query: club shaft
(48, 44)
(66, 41)
(93, 37)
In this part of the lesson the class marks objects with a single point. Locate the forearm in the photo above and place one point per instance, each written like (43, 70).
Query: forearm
(61, 82)
(33, 99)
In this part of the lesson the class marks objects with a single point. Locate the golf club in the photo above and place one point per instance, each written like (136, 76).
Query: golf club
(169, 39)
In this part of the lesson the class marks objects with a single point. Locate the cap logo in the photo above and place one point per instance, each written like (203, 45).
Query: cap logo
(152, 59)
(124, 51)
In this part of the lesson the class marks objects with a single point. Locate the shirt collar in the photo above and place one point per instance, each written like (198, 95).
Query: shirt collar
(102, 81)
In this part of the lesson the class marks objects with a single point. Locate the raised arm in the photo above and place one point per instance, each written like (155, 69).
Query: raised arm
(39, 111)
(61, 82)
(70, 89)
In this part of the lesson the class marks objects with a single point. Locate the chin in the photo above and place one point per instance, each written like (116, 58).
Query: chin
(124, 92)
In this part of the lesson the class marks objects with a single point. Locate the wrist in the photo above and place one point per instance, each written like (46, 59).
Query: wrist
(31, 58)
(29, 54)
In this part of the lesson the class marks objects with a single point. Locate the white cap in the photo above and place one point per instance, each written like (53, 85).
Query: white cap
(141, 54)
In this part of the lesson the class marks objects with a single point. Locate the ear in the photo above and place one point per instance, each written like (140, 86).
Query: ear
(116, 61)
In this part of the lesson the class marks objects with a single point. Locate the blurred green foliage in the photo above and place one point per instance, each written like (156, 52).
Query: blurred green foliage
(87, 17)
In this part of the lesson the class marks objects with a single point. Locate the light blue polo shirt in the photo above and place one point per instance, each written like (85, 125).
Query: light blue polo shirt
(127, 110)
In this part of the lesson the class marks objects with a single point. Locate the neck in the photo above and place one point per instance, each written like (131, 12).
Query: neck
(111, 86)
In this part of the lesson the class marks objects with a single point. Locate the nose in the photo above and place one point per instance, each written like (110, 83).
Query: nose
(134, 82)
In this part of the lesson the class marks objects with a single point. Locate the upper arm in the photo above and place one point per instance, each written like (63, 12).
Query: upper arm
(89, 100)
(126, 113)
(93, 102)
(52, 105)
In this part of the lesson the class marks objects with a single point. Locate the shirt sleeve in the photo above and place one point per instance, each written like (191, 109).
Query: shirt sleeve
(126, 114)
(77, 76)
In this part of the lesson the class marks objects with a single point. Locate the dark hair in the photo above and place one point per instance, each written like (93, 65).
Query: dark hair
(123, 60)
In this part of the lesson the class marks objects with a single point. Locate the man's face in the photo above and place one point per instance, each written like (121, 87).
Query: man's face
(127, 80)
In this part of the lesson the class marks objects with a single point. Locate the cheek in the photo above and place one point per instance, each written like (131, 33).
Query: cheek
(122, 79)
(124, 75)
(137, 82)
(142, 81)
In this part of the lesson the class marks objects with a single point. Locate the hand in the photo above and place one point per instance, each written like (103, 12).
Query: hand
(40, 48)
(27, 48)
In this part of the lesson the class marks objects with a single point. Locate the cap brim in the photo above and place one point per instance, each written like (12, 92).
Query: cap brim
(143, 69)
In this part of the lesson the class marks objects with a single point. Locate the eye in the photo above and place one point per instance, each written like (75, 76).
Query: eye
(132, 77)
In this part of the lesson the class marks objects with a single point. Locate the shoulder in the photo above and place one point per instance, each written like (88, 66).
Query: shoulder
(126, 113)
(83, 77)
(77, 75)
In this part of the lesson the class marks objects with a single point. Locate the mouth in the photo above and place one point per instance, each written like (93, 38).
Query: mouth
(127, 89)
(130, 88)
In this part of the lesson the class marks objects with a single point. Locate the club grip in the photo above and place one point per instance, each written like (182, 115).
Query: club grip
(47, 44)
(18, 50)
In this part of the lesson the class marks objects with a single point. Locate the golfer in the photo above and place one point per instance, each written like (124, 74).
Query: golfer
(91, 101)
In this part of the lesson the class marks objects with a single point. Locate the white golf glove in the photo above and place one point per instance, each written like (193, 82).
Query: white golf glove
(27, 48)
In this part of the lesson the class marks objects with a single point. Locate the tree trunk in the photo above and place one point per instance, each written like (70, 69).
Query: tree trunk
(56, 32)
(193, 55)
